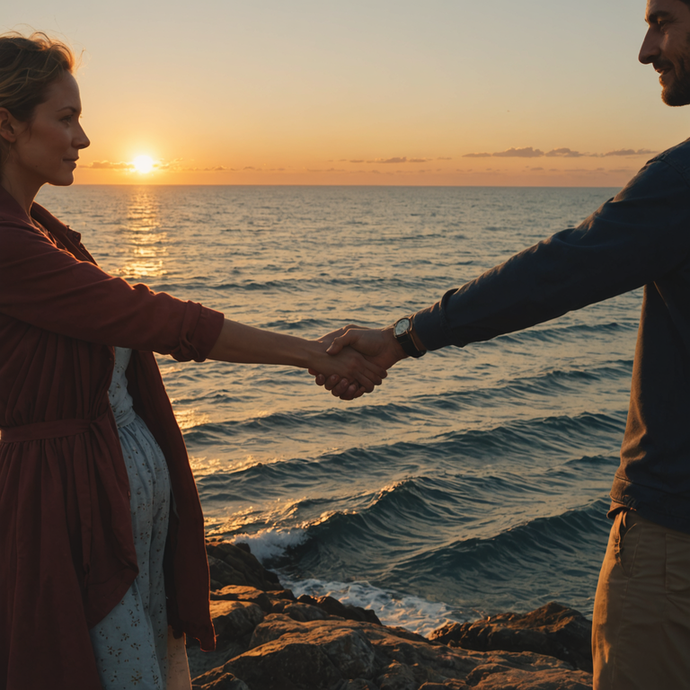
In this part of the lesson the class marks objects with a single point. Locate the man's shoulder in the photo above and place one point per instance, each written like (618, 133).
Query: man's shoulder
(677, 156)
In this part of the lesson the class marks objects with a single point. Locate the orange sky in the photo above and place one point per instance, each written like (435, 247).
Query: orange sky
(445, 92)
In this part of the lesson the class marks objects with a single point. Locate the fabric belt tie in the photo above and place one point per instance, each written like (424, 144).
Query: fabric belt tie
(41, 431)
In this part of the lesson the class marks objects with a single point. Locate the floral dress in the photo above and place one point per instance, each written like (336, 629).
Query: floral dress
(132, 644)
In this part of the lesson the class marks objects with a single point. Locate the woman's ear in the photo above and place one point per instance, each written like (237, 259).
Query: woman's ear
(7, 126)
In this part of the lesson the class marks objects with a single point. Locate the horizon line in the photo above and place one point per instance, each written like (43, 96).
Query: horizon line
(422, 186)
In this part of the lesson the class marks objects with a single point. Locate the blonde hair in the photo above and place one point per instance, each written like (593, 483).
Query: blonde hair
(28, 66)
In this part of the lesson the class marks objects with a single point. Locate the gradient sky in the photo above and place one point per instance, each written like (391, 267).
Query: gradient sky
(362, 91)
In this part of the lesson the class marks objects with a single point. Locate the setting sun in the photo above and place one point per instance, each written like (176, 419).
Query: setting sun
(143, 164)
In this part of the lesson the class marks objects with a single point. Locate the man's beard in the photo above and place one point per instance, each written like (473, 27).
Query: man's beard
(678, 92)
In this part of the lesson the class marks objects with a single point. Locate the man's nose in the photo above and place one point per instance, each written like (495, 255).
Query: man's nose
(650, 49)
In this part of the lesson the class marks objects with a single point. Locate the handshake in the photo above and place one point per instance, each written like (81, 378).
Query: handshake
(368, 353)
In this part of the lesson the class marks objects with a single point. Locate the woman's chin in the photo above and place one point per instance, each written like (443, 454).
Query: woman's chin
(62, 181)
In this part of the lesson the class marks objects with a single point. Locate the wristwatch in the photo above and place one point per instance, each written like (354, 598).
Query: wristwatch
(402, 330)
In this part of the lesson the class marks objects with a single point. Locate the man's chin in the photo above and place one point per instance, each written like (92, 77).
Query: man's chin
(676, 93)
(676, 97)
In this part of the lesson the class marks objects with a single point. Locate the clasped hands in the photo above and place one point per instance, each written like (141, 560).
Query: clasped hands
(377, 350)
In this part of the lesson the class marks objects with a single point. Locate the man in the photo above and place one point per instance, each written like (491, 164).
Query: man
(641, 626)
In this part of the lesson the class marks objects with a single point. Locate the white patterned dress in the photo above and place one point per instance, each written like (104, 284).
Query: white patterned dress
(132, 644)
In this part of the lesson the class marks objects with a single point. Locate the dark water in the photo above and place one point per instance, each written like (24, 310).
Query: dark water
(474, 481)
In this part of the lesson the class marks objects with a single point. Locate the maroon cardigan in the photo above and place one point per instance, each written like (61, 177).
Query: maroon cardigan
(66, 547)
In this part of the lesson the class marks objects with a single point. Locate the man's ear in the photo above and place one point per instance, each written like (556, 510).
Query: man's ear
(8, 126)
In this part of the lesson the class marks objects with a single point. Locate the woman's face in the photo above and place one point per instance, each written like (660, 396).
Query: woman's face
(47, 148)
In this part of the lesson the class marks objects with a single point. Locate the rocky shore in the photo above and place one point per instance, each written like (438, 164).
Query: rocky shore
(269, 640)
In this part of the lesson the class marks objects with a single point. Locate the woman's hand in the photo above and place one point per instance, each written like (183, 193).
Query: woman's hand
(354, 372)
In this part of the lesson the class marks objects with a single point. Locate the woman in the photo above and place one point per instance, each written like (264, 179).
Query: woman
(101, 531)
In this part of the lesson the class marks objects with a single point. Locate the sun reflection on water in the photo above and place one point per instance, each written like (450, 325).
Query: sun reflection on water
(144, 241)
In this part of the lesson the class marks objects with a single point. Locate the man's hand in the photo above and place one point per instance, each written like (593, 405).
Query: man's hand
(379, 346)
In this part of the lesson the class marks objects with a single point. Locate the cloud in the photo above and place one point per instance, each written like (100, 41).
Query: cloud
(395, 160)
(564, 153)
(107, 165)
(629, 152)
(527, 152)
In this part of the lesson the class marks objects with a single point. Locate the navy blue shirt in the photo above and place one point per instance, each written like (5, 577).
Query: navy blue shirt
(641, 237)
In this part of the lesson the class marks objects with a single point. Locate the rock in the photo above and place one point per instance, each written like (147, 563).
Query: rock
(267, 640)
(335, 608)
(304, 612)
(289, 664)
(234, 564)
(553, 630)
(235, 620)
(397, 676)
(327, 654)
(350, 652)
(240, 593)
(537, 673)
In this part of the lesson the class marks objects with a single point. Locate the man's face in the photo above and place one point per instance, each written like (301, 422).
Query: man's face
(667, 48)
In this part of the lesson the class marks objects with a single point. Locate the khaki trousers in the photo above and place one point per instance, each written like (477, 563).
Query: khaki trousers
(641, 622)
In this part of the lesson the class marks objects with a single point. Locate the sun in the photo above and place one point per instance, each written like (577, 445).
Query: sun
(143, 164)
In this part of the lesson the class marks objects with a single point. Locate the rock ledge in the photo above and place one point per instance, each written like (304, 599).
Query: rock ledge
(268, 640)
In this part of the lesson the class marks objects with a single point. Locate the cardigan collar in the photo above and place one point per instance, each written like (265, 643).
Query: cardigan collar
(66, 237)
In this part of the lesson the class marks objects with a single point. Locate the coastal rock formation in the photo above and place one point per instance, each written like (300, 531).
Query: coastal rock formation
(268, 640)
(553, 630)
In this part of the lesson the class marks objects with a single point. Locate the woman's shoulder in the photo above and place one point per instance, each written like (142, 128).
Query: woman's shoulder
(64, 235)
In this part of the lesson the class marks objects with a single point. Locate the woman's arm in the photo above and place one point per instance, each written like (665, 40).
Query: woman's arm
(240, 343)
(48, 287)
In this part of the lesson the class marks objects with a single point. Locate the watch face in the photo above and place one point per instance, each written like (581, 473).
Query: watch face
(401, 326)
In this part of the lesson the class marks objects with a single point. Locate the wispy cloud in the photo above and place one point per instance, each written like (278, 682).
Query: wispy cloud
(107, 165)
(630, 152)
(527, 152)
(395, 160)
(564, 152)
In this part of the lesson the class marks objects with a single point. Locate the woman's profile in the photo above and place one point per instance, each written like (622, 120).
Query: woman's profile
(103, 567)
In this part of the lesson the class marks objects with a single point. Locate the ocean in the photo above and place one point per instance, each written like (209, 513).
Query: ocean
(474, 481)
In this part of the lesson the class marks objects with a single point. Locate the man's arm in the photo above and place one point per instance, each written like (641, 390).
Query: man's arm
(638, 237)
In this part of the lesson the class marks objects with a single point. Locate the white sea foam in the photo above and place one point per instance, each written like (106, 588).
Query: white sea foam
(413, 613)
(269, 544)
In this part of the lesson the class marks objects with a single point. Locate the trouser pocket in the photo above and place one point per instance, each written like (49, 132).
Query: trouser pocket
(626, 540)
